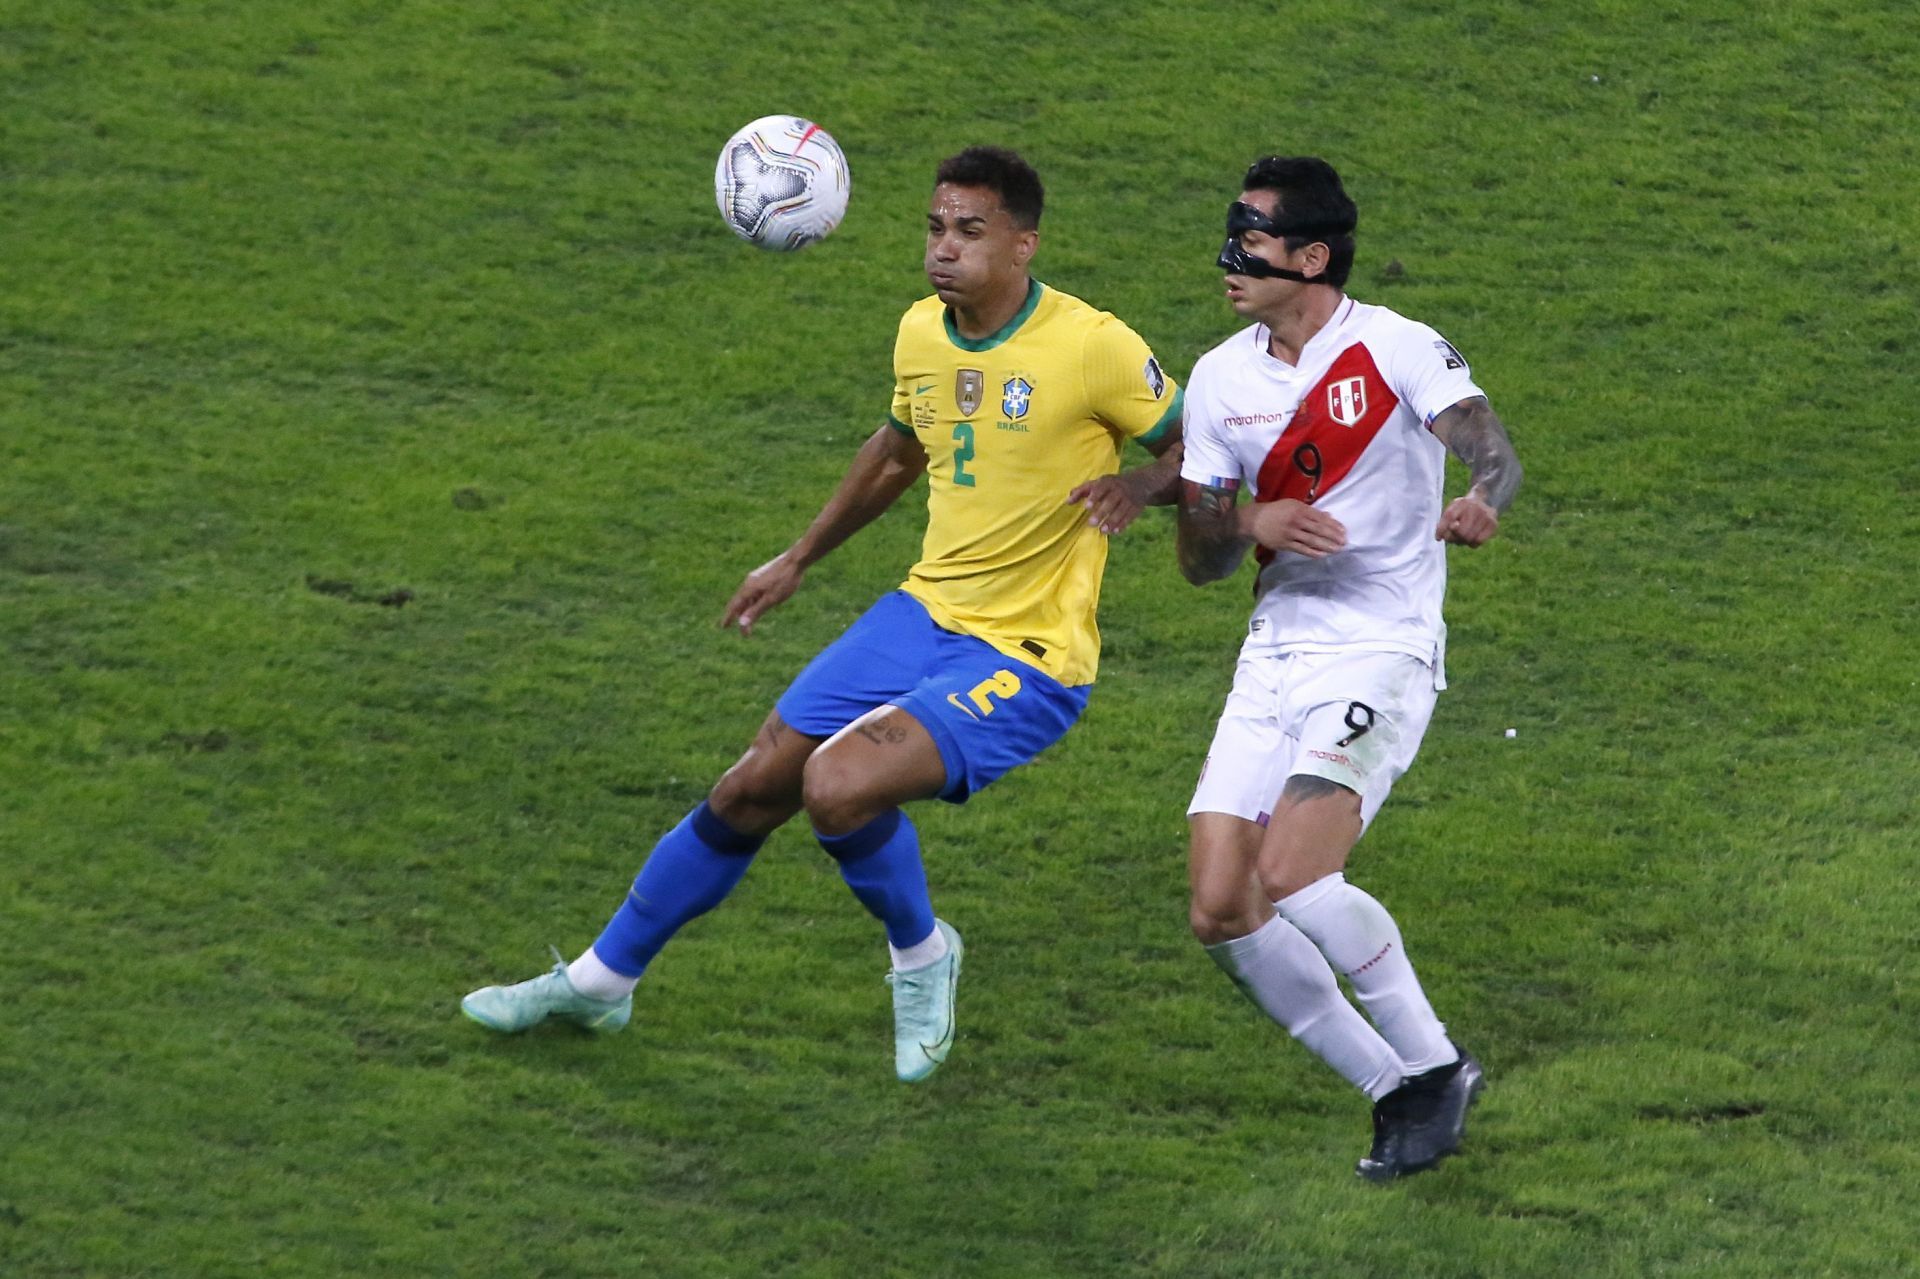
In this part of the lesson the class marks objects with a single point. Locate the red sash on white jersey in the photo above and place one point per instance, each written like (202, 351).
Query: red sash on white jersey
(1354, 443)
(1336, 421)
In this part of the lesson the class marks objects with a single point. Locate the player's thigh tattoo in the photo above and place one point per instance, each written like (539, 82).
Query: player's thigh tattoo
(1301, 787)
(885, 731)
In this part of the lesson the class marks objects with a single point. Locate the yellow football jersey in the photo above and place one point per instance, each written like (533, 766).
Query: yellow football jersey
(1011, 424)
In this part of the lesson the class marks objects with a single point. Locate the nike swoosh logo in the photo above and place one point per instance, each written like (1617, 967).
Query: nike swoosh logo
(922, 390)
(953, 976)
(960, 706)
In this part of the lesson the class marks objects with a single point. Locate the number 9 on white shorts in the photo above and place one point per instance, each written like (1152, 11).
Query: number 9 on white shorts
(1355, 718)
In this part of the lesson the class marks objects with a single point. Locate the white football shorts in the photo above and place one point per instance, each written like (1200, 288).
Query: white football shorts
(1353, 717)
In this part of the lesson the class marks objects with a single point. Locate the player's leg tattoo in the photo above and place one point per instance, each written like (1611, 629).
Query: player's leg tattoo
(882, 732)
(1302, 787)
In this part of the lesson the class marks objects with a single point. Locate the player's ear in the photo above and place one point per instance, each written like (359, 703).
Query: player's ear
(1315, 262)
(1025, 245)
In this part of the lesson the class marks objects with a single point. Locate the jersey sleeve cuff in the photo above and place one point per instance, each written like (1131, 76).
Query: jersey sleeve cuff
(1168, 420)
(898, 425)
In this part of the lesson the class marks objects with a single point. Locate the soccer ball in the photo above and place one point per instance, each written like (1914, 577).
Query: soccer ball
(781, 183)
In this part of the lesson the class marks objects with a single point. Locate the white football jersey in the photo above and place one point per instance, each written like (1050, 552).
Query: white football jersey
(1347, 431)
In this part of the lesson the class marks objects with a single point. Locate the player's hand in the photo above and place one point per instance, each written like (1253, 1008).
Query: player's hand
(767, 587)
(1111, 501)
(1467, 521)
(1289, 525)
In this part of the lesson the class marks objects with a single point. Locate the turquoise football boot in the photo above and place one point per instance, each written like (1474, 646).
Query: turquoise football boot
(512, 1009)
(923, 1011)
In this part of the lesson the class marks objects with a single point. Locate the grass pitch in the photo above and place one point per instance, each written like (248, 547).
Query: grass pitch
(387, 415)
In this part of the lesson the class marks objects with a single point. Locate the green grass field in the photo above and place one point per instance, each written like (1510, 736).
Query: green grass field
(387, 415)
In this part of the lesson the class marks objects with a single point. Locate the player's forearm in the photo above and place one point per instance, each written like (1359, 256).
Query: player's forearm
(881, 472)
(1209, 541)
(1473, 433)
(1158, 482)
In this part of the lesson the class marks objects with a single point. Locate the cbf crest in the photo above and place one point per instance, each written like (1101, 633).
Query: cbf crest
(968, 386)
(1015, 395)
(1347, 400)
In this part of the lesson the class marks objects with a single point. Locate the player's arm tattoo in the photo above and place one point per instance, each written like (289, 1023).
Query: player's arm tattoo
(1209, 540)
(1472, 432)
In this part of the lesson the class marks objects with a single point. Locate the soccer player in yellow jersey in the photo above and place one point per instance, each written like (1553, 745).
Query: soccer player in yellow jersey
(1015, 401)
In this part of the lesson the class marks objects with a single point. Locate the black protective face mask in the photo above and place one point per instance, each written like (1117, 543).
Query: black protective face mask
(1235, 260)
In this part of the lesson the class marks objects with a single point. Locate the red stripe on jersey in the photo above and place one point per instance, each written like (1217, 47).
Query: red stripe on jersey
(1335, 422)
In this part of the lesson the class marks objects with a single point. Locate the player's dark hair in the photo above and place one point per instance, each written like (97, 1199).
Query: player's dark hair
(1005, 174)
(1312, 200)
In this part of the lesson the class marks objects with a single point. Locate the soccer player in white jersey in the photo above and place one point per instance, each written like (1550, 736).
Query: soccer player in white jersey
(1336, 417)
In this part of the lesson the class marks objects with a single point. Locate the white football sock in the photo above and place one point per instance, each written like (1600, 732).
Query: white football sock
(920, 954)
(597, 981)
(1282, 971)
(1361, 941)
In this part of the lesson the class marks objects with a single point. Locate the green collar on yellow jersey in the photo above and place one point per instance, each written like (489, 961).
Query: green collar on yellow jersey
(1005, 331)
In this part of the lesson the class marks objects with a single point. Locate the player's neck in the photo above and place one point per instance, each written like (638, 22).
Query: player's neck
(1292, 324)
(988, 317)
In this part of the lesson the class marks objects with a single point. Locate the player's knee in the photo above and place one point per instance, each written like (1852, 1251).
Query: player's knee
(754, 787)
(835, 795)
(1279, 885)
(1282, 877)
(1216, 922)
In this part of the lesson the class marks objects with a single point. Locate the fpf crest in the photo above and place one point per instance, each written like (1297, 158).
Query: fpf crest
(1347, 400)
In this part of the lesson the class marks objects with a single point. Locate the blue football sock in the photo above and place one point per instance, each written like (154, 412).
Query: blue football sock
(881, 864)
(691, 870)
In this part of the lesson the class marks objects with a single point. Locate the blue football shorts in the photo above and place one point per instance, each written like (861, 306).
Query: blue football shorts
(987, 712)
